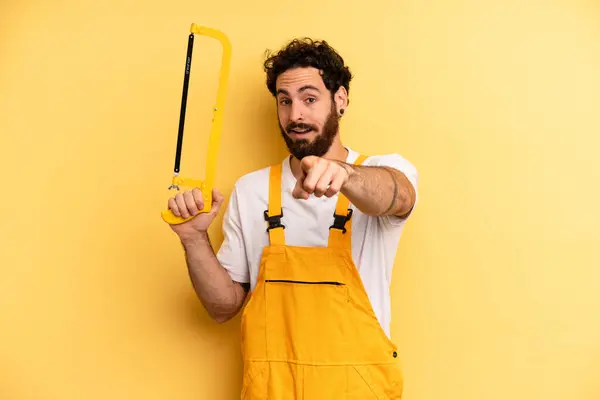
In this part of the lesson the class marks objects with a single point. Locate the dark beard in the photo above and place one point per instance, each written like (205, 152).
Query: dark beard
(302, 147)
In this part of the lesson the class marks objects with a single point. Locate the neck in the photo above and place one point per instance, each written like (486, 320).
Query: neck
(337, 152)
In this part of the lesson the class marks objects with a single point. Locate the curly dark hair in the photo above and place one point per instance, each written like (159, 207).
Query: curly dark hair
(307, 52)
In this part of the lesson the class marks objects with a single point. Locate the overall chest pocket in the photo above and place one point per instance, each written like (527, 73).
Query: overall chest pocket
(306, 320)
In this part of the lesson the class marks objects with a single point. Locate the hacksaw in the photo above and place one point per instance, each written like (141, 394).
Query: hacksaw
(207, 184)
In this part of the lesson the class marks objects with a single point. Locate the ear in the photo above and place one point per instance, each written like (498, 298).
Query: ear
(341, 99)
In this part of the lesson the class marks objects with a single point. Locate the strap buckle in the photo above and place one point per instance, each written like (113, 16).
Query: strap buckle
(274, 221)
(339, 221)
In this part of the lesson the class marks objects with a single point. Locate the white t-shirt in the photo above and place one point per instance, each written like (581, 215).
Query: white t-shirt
(307, 222)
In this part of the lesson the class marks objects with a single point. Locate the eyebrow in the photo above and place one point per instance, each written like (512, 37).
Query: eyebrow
(302, 89)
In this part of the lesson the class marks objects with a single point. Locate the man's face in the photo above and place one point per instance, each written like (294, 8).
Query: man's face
(308, 117)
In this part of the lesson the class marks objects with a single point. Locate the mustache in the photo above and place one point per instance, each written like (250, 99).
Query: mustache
(299, 125)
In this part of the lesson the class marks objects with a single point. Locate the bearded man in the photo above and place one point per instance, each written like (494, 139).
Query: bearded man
(310, 244)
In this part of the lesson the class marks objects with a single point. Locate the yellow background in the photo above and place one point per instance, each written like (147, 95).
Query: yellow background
(496, 292)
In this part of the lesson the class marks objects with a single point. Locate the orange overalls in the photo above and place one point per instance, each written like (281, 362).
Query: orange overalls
(308, 330)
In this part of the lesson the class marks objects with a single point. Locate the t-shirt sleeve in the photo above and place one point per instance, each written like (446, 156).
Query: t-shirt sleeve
(232, 253)
(408, 169)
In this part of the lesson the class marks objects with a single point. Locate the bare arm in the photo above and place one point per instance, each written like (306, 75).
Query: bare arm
(374, 190)
(379, 191)
(221, 296)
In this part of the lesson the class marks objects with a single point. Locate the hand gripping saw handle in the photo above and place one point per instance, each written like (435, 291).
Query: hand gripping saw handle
(207, 184)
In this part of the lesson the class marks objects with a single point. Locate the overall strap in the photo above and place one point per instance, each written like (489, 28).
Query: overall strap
(340, 233)
(275, 212)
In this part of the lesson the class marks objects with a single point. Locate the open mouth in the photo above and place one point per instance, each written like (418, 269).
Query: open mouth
(299, 131)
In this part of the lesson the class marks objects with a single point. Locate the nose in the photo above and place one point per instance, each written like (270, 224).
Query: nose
(296, 113)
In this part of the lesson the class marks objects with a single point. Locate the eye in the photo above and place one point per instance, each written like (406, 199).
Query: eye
(285, 101)
(311, 99)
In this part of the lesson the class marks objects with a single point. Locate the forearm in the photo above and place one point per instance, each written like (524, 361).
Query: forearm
(379, 191)
(220, 295)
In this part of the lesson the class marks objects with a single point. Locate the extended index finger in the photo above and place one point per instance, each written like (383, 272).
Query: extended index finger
(314, 174)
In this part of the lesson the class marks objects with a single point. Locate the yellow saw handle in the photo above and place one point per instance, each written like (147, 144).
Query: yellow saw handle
(207, 184)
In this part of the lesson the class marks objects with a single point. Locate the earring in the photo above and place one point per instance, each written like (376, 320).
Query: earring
(342, 111)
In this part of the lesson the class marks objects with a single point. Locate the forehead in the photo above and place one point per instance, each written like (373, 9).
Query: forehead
(299, 79)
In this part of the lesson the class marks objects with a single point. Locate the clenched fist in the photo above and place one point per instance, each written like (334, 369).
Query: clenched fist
(320, 177)
(187, 204)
